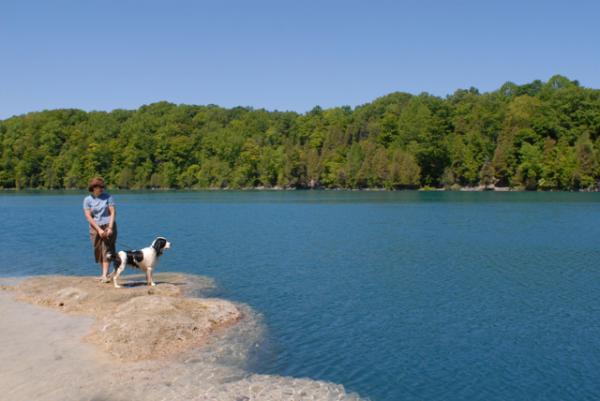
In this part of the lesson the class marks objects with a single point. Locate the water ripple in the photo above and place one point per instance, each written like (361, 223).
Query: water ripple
(397, 296)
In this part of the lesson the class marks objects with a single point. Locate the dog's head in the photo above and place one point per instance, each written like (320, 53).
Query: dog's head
(160, 244)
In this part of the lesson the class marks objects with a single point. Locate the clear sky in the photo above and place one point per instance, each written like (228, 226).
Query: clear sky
(284, 55)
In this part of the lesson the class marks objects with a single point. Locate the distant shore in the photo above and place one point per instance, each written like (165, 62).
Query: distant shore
(453, 188)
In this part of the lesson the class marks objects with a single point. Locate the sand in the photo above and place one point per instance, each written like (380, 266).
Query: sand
(72, 338)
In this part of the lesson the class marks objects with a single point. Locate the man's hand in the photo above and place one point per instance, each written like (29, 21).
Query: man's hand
(102, 233)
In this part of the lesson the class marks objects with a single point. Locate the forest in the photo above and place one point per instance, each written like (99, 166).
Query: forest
(536, 136)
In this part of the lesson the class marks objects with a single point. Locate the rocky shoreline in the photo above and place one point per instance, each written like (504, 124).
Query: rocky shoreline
(139, 343)
(140, 322)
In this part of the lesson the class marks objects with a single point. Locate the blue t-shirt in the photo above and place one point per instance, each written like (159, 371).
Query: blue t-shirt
(99, 207)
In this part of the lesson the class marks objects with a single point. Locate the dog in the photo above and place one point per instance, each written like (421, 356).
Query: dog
(144, 259)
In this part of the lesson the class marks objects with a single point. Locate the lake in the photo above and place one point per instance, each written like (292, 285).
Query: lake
(396, 295)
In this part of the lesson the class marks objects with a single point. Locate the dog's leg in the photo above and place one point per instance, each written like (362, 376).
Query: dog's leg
(112, 260)
(149, 277)
(119, 270)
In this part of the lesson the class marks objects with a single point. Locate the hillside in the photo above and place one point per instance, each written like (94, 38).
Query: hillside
(541, 135)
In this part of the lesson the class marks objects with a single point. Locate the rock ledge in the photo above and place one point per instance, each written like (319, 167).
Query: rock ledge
(136, 322)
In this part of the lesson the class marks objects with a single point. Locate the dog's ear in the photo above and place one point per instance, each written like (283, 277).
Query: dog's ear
(159, 244)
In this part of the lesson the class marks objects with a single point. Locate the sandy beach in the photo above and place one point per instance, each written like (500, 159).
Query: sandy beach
(71, 338)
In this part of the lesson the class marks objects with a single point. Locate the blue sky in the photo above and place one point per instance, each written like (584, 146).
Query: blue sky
(284, 55)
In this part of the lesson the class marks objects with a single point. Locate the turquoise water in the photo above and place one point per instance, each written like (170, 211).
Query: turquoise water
(395, 295)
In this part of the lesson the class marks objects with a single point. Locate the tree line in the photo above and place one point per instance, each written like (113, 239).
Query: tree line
(537, 136)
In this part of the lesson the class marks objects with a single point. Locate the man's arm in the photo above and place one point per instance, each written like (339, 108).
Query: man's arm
(90, 219)
(113, 214)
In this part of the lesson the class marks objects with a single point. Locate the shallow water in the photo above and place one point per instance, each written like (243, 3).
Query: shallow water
(397, 296)
(44, 359)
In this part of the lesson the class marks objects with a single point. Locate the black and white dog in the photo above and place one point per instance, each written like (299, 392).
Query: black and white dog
(144, 259)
